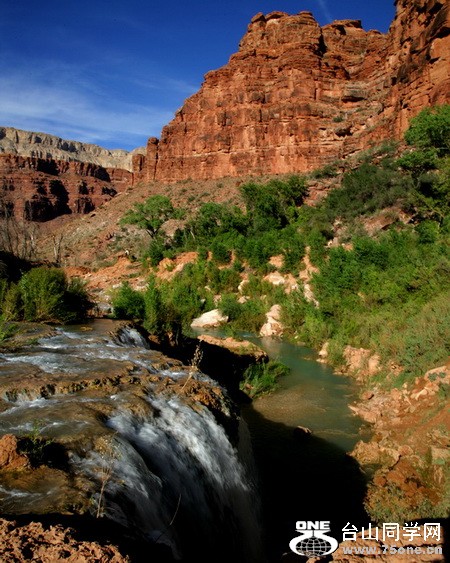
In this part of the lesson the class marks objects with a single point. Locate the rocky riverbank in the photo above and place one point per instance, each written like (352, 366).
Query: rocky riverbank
(35, 541)
(409, 448)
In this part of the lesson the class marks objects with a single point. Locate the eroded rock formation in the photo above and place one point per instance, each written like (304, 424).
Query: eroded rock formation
(36, 541)
(45, 146)
(43, 177)
(39, 189)
(297, 96)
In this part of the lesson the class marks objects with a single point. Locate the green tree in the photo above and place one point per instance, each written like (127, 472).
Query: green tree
(151, 214)
(214, 219)
(429, 162)
(273, 205)
(431, 129)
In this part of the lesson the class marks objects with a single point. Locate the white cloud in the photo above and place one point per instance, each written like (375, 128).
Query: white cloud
(326, 11)
(68, 102)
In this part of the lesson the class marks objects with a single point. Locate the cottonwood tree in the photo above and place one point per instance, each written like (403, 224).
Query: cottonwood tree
(151, 214)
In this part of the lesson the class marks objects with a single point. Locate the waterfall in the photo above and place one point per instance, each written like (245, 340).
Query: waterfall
(180, 466)
(159, 465)
(129, 336)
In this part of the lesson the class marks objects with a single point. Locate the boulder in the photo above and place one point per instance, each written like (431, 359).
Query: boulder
(238, 347)
(277, 279)
(10, 457)
(211, 319)
(272, 326)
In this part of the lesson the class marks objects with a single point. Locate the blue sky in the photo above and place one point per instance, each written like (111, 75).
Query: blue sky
(113, 72)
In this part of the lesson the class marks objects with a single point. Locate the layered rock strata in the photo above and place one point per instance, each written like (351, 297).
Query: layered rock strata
(296, 96)
(37, 189)
(43, 177)
(50, 147)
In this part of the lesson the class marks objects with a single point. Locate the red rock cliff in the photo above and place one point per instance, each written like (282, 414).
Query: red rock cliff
(43, 176)
(39, 189)
(297, 95)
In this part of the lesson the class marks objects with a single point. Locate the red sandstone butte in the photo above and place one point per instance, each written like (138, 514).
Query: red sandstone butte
(297, 96)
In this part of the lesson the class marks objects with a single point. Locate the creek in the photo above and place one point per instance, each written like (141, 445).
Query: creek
(164, 467)
(304, 476)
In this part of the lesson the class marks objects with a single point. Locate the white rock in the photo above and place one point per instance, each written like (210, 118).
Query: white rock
(272, 326)
(275, 278)
(323, 352)
(211, 319)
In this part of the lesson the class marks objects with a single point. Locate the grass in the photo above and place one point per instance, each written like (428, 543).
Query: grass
(260, 379)
(7, 330)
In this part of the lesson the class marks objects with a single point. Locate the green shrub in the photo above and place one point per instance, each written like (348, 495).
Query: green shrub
(77, 303)
(42, 291)
(3, 290)
(215, 219)
(315, 329)
(128, 303)
(230, 306)
(428, 232)
(294, 311)
(229, 279)
(220, 252)
(6, 329)
(425, 338)
(292, 246)
(256, 287)
(185, 300)
(46, 295)
(418, 161)
(252, 317)
(155, 252)
(272, 206)
(366, 190)
(431, 129)
(262, 378)
(12, 307)
(327, 171)
(153, 306)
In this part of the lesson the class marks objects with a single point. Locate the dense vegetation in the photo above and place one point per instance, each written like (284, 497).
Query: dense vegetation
(387, 292)
(42, 295)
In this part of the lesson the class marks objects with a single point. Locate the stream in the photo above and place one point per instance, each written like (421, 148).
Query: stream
(305, 476)
(164, 466)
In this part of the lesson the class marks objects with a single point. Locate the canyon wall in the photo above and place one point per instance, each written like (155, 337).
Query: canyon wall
(297, 96)
(37, 189)
(43, 176)
(44, 146)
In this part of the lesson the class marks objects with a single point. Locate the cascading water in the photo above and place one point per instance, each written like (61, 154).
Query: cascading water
(151, 461)
(193, 477)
